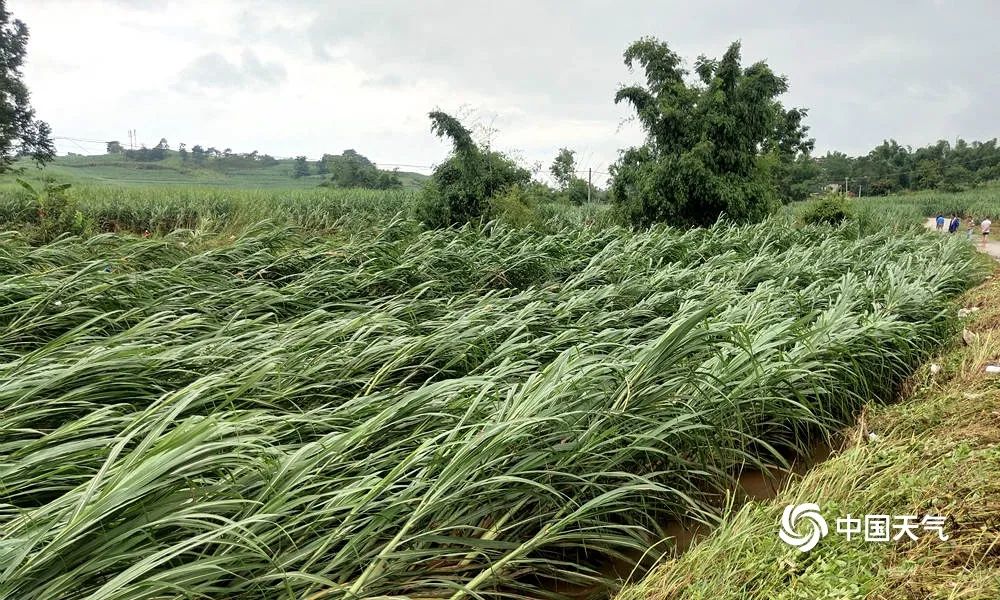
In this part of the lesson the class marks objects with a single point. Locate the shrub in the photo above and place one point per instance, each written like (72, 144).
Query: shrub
(830, 210)
(513, 208)
(461, 187)
(55, 211)
(576, 191)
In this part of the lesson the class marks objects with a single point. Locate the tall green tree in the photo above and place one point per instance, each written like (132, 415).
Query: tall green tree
(301, 167)
(323, 166)
(21, 134)
(928, 173)
(711, 145)
(351, 169)
(563, 168)
(460, 189)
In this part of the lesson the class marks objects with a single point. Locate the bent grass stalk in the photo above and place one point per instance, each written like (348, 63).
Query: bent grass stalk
(444, 414)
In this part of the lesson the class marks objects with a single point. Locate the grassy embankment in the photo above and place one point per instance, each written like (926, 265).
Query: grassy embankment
(935, 452)
(172, 171)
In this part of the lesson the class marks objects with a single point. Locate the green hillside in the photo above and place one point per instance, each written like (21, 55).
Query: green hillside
(114, 169)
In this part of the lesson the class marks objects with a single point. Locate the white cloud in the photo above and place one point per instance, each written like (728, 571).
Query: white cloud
(312, 77)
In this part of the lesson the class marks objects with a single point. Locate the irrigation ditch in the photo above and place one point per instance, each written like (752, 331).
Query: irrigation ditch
(748, 485)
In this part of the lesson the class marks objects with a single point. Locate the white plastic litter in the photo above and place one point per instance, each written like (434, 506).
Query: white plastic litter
(935, 368)
(993, 368)
(964, 312)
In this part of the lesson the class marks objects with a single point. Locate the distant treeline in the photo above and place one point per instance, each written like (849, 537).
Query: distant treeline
(198, 155)
(887, 168)
(890, 167)
(350, 169)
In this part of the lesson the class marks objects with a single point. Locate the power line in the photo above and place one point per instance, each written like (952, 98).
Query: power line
(387, 164)
(73, 139)
(78, 146)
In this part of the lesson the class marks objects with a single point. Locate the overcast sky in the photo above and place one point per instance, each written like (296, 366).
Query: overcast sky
(308, 77)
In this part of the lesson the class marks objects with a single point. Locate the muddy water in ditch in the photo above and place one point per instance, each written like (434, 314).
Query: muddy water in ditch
(750, 485)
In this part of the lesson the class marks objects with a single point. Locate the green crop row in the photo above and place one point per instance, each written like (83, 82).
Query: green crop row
(465, 413)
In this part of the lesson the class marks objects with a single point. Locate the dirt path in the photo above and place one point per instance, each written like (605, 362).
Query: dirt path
(992, 248)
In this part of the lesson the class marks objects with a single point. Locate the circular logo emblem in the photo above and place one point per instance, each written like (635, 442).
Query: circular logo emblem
(807, 515)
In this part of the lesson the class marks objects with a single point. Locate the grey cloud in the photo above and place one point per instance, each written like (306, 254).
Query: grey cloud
(388, 80)
(141, 5)
(854, 64)
(913, 70)
(214, 70)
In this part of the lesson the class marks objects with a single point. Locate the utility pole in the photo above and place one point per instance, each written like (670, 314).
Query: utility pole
(845, 187)
(859, 190)
(589, 178)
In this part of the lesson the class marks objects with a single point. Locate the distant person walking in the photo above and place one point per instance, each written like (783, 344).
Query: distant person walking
(968, 229)
(984, 226)
(939, 222)
(955, 224)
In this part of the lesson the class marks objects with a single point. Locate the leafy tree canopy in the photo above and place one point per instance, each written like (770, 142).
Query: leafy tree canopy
(460, 189)
(352, 169)
(711, 143)
(300, 168)
(563, 168)
(21, 134)
(891, 167)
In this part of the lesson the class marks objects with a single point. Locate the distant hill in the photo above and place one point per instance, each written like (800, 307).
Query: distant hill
(114, 169)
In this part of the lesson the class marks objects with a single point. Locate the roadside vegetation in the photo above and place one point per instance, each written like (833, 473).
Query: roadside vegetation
(979, 203)
(934, 451)
(902, 211)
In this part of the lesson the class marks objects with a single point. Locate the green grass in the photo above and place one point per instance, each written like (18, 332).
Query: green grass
(113, 170)
(160, 209)
(936, 452)
(979, 202)
(396, 412)
(903, 211)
